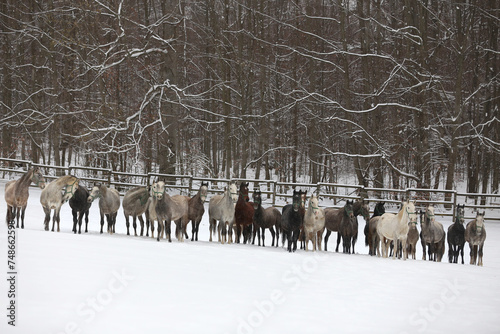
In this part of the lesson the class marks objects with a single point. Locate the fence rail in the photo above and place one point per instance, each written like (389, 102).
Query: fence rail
(278, 193)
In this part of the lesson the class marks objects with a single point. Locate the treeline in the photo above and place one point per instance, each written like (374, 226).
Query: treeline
(394, 92)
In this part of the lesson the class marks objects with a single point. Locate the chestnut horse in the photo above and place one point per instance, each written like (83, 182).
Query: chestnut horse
(243, 211)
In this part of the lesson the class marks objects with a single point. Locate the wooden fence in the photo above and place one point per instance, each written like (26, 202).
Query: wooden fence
(278, 193)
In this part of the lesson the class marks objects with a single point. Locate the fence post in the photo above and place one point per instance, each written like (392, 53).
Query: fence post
(454, 210)
(190, 185)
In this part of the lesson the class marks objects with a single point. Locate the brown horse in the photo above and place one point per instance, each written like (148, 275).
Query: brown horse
(411, 241)
(269, 218)
(17, 193)
(196, 210)
(243, 211)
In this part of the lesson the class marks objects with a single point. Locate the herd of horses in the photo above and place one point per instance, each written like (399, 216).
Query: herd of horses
(234, 212)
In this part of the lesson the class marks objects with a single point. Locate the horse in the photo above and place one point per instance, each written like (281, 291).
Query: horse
(269, 218)
(371, 236)
(80, 208)
(411, 241)
(165, 208)
(17, 193)
(432, 235)
(475, 234)
(395, 227)
(348, 228)
(221, 208)
(314, 221)
(109, 203)
(292, 218)
(456, 236)
(196, 210)
(54, 195)
(243, 212)
(135, 204)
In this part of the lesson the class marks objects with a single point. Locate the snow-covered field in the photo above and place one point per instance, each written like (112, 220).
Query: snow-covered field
(93, 283)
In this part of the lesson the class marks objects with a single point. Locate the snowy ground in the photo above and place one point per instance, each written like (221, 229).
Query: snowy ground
(92, 283)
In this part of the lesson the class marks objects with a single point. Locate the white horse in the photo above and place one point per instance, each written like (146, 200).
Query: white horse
(475, 234)
(314, 221)
(54, 195)
(395, 227)
(221, 208)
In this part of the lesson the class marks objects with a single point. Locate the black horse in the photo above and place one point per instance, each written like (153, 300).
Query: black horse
(80, 207)
(292, 219)
(456, 236)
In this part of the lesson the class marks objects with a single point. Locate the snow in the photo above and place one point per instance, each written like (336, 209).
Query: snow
(93, 283)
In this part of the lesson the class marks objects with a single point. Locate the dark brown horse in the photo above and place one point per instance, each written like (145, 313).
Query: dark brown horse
(196, 210)
(243, 211)
(348, 228)
(269, 218)
(80, 208)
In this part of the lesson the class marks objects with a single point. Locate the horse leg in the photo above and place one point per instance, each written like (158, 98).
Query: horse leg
(480, 255)
(23, 210)
(57, 218)
(127, 223)
(160, 229)
(47, 218)
(18, 211)
(75, 219)
(338, 241)
(80, 218)
(461, 250)
(134, 224)
(168, 228)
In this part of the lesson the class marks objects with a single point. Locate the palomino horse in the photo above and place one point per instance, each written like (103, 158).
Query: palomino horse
(292, 218)
(135, 203)
(371, 236)
(395, 227)
(165, 208)
(197, 209)
(314, 221)
(109, 203)
(243, 212)
(456, 236)
(17, 193)
(432, 236)
(54, 195)
(80, 208)
(265, 218)
(475, 234)
(221, 209)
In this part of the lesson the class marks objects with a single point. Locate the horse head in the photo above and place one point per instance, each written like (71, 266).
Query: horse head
(233, 191)
(38, 178)
(365, 210)
(244, 191)
(157, 190)
(257, 199)
(94, 193)
(296, 200)
(379, 209)
(429, 214)
(203, 191)
(479, 221)
(460, 216)
(303, 198)
(348, 211)
(411, 212)
(314, 204)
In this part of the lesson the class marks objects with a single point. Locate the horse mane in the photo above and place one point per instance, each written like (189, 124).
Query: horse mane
(27, 176)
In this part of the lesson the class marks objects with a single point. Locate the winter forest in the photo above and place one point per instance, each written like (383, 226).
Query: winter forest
(394, 92)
